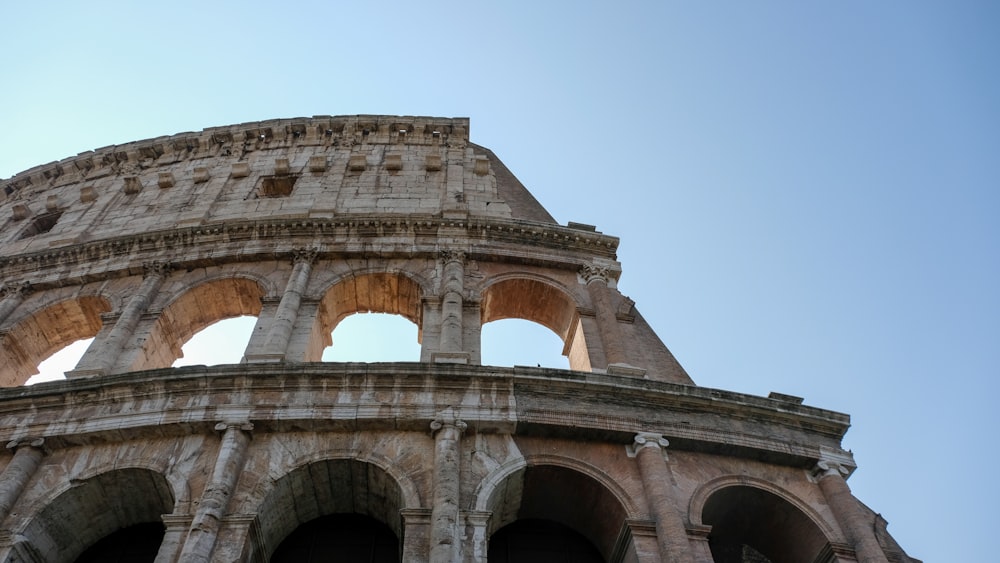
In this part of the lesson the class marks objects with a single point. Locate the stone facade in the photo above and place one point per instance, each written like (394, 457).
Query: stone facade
(301, 223)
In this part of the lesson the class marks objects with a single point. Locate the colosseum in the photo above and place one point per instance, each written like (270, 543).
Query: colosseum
(283, 457)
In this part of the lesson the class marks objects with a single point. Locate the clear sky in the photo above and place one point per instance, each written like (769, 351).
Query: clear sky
(807, 193)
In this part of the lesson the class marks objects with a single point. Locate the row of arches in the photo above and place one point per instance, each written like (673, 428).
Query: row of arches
(51, 324)
(354, 511)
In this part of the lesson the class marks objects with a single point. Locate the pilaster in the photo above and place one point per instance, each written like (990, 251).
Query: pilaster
(28, 454)
(649, 449)
(830, 472)
(447, 431)
(212, 508)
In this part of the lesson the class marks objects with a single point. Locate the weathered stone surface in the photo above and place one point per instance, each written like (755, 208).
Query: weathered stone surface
(301, 223)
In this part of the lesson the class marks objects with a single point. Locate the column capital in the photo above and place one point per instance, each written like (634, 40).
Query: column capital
(833, 462)
(452, 256)
(156, 268)
(448, 422)
(38, 443)
(647, 440)
(826, 468)
(223, 426)
(594, 273)
(307, 255)
(15, 289)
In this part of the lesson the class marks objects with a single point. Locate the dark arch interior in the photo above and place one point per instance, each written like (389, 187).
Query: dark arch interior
(329, 487)
(347, 538)
(540, 541)
(134, 544)
(107, 507)
(560, 496)
(753, 525)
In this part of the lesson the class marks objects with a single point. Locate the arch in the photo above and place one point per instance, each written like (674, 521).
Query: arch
(541, 300)
(83, 512)
(557, 489)
(179, 489)
(746, 513)
(334, 485)
(392, 292)
(47, 330)
(196, 308)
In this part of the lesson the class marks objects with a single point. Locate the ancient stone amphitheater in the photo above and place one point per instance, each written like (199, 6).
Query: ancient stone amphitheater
(282, 457)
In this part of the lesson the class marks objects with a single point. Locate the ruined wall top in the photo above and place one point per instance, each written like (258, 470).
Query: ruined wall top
(302, 168)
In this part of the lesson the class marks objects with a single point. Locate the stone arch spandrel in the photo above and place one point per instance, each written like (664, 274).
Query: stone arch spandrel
(82, 511)
(758, 500)
(42, 330)
(193, 308)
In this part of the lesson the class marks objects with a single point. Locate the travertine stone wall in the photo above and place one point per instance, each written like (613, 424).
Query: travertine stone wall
(300, 223)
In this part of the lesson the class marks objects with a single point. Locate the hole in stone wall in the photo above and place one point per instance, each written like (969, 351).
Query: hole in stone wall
(222, 342)
(277, 186)
(41, 224)
(374, 337)
(517, 342)
(54, 367)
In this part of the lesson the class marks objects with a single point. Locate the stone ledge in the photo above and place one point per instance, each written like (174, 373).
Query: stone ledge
(407, 396)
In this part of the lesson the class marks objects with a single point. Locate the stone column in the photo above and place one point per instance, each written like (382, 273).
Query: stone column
(102, 355)
(859, 530)
(280, 332)
(27, 455)
(10, 297)
(228, 464)
(452, 285)
(447, 432)
(596, 279)
(648, 449)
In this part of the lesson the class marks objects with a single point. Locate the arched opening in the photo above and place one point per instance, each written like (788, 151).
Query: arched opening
(346, 538)
(101, 508)
(542, 303)
(754, 525)
(374, 337)
(325, 488)
(222, 342)
(134, 544)
(517, 342)
(54, 367)
(37, 337)
(193, 311)
(540, 541)
(544, 496)
(390, 293)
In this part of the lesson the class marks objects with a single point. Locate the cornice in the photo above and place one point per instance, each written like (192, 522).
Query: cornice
(354, 396)
(322, 130)
(248, 240)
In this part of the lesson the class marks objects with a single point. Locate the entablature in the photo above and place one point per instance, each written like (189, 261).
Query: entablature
(407, 396)
(343, 236)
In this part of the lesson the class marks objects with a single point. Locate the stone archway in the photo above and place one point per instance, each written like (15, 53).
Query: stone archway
(192, 311)
(541, 302)
(536, 498)
(94, 509)
(377, 292)
(752, 524)
(39, 335)
(303, 497)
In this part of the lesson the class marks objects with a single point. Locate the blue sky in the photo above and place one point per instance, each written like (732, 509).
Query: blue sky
(806, 192)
